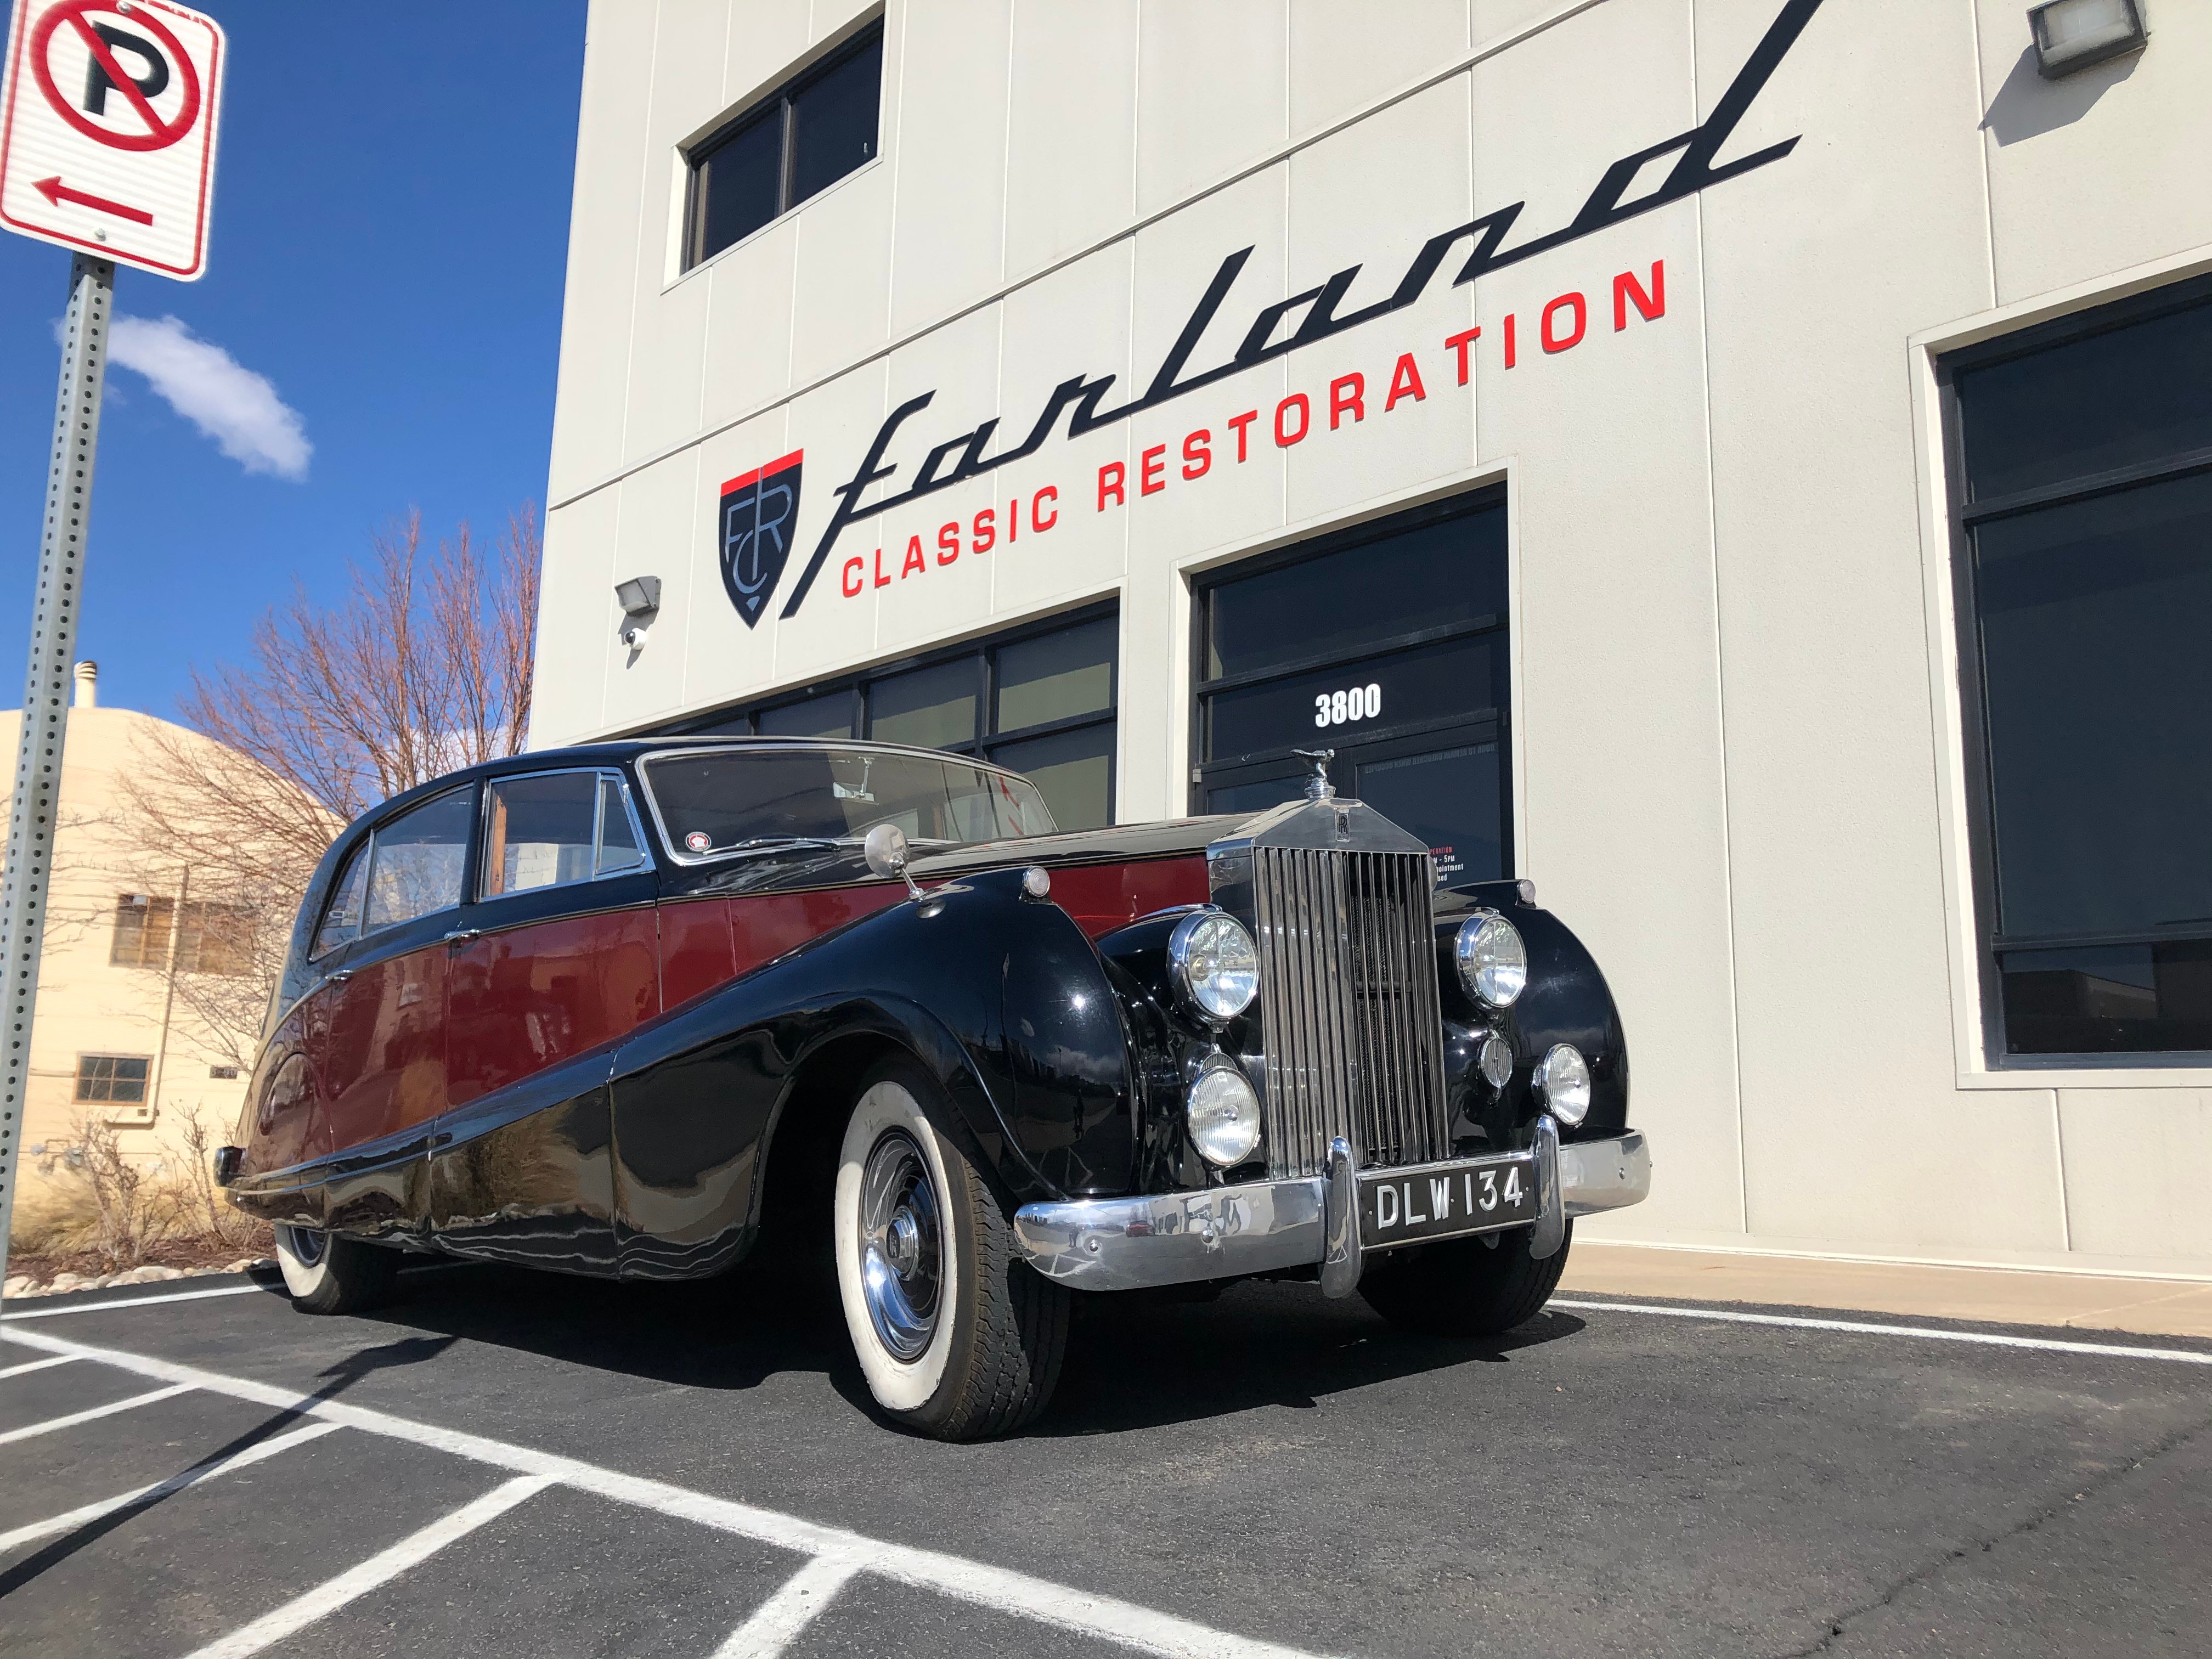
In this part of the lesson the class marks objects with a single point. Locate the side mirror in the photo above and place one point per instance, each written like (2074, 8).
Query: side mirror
(886, 851)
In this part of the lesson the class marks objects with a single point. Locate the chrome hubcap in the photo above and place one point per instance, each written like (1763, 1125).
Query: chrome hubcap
(900, 1246)
(306, 1244)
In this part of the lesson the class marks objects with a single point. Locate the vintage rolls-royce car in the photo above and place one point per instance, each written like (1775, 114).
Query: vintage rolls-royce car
(638, 1009)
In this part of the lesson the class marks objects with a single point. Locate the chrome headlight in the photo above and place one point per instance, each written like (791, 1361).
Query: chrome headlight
(1215, 964)
(1563, 1079)
(1223, 1112)
(1493, 963)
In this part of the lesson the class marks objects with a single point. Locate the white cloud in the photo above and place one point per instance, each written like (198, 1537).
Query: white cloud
(232, 405)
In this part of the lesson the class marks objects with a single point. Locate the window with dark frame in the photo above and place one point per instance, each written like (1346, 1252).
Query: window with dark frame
(111, 1079)
(2081, 468)
(1385, 642)
(792, 145)
(1041, 701)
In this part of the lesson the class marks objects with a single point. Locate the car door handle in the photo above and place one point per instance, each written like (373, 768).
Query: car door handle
(339, 977)
(462, 935)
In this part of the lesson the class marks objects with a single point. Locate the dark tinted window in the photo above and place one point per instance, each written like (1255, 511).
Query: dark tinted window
(1453, 571)
(740, 184)
(833, 121)
(115, 1079)
(2097, 664)
(2113, 399)
(1041, 699)
(1056, 676)
(930, 708)
(800, 139)
(2084, 622)
(1073, 770)
(817, 717)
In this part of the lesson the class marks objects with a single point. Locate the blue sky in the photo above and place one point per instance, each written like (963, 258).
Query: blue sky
(390, 233)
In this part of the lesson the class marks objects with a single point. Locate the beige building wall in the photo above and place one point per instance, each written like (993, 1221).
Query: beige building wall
(88, 1005)
(1738, 769)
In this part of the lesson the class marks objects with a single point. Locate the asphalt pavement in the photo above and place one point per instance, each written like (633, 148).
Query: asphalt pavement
(509, 1463)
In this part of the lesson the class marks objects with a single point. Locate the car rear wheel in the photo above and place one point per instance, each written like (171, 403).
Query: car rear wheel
(1465, 1286)
(328, 1273)
(956, 1335)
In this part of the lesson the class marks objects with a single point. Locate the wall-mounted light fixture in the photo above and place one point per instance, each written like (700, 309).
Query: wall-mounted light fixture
(639, 598)
(2072, 34)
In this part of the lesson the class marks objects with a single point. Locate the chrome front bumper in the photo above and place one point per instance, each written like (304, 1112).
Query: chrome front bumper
(1262, 1226)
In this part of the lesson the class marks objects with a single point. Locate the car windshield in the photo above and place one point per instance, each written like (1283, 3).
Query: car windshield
(726, 800)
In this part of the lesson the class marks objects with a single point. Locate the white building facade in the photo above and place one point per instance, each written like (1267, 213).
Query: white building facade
(1745, 465)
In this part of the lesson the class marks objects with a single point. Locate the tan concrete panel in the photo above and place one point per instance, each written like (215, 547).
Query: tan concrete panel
(1355, 200)
(1617, 709)
(1072, 141)
(576, 620)
(589, 405)
(2100, 169)
(1341, 60)
(2139, 1172)
(662, 525)
(1833, 256)
(949, 156)
(1212, 93)
(747, 357)
(842, 306)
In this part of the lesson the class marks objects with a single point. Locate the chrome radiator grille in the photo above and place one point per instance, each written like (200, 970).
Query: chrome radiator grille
(1348, 1001)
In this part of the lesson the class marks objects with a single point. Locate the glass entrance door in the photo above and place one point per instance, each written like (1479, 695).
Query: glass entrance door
(1386, 644)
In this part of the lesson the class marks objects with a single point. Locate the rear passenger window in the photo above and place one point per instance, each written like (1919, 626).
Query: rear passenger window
(416, 866)
(539, 831)
(342, 915)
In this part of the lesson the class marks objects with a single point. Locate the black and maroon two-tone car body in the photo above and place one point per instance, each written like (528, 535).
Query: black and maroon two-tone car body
(609, 1010)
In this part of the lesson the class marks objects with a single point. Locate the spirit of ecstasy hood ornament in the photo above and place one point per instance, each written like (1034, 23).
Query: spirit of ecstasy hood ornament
(1318, 787)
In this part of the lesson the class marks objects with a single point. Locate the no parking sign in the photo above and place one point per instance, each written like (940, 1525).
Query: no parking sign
(107, 124)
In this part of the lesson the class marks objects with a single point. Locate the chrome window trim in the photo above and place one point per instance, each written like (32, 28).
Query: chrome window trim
(368, 881)
(630, 806)
(755, 745)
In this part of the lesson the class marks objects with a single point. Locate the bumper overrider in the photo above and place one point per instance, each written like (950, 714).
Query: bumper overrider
(1264, 1226)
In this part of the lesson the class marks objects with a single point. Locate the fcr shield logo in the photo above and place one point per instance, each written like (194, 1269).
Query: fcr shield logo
(759, 510)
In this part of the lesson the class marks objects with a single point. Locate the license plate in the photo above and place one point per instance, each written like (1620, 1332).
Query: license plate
(1444, 1200)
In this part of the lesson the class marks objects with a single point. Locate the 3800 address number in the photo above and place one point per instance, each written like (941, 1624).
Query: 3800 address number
(1356, 702)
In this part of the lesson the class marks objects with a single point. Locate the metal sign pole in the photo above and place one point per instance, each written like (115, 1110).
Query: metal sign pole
(34, 811)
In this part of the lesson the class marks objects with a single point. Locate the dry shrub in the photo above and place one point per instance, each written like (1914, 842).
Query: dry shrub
(99, 1203)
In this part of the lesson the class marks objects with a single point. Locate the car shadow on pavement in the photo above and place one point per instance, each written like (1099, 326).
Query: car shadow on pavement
(1254, 1345)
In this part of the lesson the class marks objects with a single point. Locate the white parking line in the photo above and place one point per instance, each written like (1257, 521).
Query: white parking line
(999, 1588)
(206, 1470)
(778, 1620)
(381, 1568)
(134, 1301)
(30, 1365)
(1855, 1327)
(109, 1410)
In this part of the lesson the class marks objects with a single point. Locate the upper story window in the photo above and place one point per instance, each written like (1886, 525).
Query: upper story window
(2081, 460)
(141, 939)
(793, 143)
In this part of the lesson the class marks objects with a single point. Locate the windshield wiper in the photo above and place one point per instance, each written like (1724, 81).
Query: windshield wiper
(780, 844)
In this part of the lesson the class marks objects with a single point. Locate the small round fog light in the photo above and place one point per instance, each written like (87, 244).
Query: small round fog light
(1563, 1079)
(1223, 1113)
(1496, 1060)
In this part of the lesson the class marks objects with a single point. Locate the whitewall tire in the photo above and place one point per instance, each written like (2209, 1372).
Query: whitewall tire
(327, 1273)
(956, 1335)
